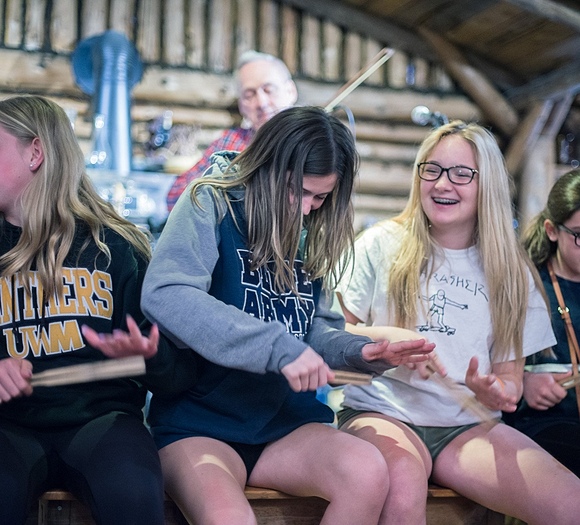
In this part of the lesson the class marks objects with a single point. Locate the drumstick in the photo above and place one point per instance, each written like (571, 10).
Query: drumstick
(569, 382)
(342, 377)
(381, 57)
(109, 369)
(462, 397)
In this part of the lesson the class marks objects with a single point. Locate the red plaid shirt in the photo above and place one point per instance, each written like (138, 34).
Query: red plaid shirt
(234, 139)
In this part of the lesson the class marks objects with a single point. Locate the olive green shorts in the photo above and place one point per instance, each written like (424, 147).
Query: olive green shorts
(435, 438)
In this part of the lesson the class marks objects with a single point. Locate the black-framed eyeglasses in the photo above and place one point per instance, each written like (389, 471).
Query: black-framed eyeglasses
(574, 234)
(456, 174)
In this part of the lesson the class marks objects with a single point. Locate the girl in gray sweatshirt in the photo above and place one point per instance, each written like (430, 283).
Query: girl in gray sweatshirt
(241, 276)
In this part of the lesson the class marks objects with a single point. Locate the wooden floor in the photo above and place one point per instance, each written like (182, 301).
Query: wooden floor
(444, 507)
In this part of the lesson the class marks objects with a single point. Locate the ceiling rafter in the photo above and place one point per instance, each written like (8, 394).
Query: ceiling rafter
(363, 23)
(565, 80)
(551, 10)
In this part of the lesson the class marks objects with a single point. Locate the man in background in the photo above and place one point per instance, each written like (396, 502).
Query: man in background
(265, 87)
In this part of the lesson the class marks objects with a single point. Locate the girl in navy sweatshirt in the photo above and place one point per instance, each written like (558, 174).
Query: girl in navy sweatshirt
(241, 275)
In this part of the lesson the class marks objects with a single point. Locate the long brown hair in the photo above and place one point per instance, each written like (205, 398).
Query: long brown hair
(297, 142)
(563, 202)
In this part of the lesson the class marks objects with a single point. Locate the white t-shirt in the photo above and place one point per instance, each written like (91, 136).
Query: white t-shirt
(455, 315)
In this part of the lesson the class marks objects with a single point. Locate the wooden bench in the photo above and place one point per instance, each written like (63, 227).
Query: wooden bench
(444, 507)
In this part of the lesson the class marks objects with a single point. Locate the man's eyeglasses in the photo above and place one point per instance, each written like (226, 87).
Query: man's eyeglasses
(456, 174)
(574, 234)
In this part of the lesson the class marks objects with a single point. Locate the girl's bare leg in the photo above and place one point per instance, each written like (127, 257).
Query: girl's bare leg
(318, 460)
(206, 479)
(408, 462)
(506, 471)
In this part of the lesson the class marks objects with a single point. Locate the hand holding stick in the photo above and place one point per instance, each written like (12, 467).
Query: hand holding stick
(462, 397)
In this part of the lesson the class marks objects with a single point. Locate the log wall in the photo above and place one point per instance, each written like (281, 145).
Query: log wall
(189, 49)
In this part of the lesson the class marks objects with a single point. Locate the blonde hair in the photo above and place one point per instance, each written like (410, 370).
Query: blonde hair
(59, 195)
(505, 263)
(297, 142)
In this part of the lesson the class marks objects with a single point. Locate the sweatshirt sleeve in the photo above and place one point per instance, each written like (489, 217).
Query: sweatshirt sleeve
(171, 370)
(340, 349)
(175, 296)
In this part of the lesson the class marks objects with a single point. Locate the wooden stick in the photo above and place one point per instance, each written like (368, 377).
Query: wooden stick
(381, 57)
(341, 377)
(462, 397)
(569, 382)
(109, 369)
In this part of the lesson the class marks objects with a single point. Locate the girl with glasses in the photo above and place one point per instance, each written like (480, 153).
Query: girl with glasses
(450, 268)
(548, 413)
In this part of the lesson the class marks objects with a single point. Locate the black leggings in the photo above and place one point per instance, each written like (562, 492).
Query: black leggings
(111, 464)
(563, 442)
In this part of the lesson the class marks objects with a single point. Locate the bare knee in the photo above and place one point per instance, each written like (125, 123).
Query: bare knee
(364, 473)
(407, 498)
(205, 478)
(214, 509)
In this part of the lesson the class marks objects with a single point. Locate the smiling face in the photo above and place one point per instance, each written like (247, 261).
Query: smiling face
(315, 189)
(451, 208)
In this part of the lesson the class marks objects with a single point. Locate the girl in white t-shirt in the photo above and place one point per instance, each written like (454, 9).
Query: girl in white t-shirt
(449, 268)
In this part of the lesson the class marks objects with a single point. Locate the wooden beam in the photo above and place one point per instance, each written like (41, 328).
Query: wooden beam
(558, 116)
(359, 22)
(449, 15)
(551, 10)
(493, 105)
(173, 23)
(552, 85)
(527, 135)
(25, 72)
(386, 104)
(502, 79)
(538, 176)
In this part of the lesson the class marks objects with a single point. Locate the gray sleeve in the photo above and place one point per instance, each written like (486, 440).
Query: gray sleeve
(175, 296)
(340, 349)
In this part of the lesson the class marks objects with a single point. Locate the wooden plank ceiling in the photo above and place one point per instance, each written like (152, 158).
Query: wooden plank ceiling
(528, 49)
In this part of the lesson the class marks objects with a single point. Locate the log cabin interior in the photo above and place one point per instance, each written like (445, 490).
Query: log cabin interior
(509, 64)
(512, 65)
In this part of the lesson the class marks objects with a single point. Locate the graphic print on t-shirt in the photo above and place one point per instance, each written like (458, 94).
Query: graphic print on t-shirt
(27, 326)
(449, 286)
(436, 314)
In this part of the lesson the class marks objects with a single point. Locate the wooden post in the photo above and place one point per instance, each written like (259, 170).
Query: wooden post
(527, 135)
(492, 103)
(538, 176)
(539, 172)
